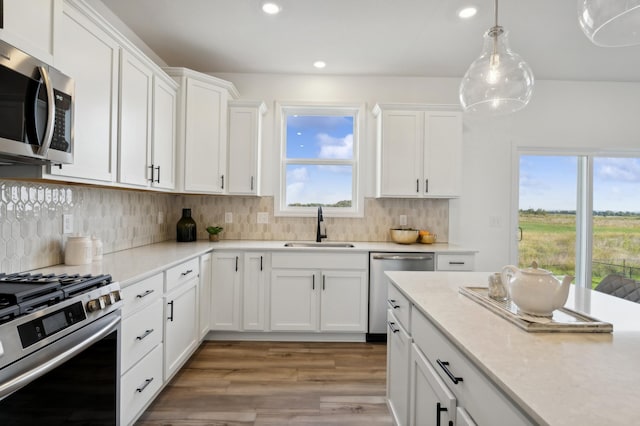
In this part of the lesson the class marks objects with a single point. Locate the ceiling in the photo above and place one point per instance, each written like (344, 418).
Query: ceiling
(369, 37)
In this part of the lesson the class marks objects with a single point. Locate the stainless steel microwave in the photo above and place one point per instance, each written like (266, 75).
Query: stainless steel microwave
(36, 111)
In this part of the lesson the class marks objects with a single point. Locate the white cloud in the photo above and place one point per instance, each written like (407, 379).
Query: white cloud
(331, 147)
(299, 174)
(618, 169)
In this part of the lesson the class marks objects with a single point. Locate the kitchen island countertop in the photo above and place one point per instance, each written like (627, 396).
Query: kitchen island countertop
(556, 378)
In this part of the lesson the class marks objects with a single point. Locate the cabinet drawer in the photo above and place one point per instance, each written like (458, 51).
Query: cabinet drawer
(181, 274)
(140, 384)
(323, 260)
(141, 332)
(485, 403)
(455, 262)
(399, 305)
(141, 294)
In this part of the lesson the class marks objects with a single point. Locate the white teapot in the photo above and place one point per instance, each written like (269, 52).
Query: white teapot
(536, 291)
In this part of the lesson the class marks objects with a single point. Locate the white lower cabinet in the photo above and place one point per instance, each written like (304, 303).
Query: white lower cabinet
(398, 353)
(181, 315)
(140, 346)
(430, 382)
(254, 289)
(312, 292)
(226, 291)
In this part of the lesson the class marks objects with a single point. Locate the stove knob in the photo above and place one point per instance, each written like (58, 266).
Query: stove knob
(95, 305)
(107, 299)
(116, 296)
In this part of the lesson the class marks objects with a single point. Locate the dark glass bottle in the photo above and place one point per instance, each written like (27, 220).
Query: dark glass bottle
(186, 227)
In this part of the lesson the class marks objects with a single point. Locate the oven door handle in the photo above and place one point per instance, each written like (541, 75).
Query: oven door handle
(23, 378)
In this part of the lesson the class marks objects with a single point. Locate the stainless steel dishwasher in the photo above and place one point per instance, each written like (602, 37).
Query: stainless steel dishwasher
(378, 282)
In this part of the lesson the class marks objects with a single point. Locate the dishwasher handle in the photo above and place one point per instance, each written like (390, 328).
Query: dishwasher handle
(428, 256)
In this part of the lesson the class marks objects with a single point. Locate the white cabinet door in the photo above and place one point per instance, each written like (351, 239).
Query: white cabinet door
(163, 148)
(443, 153)
(398, 353)
(226, 291)
(134, 148)
(30, 25)
(430, 401)
(181, 325)
(96, 94)
(205, 137)
(294, 300)
(344, 302)
(254, 291)
(400, 154)
(245, 122)
(204, 295)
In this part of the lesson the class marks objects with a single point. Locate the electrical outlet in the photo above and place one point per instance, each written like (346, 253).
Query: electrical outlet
(67, 223)
(160, 218)
(263, 217)
(228, 217)
(403, 220)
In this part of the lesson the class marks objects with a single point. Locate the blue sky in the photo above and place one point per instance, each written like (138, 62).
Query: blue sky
(550, 182)
(319, 137)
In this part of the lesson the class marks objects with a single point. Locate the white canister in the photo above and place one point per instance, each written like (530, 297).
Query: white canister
(97, 248)
(78, 251)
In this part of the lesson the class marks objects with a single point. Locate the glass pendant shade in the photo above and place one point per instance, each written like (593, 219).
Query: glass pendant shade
(499, 81)
(610, 23)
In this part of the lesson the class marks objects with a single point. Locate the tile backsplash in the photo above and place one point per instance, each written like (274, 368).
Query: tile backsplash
(31, 215)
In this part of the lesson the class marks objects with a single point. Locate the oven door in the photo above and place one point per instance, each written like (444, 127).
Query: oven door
(74, 380)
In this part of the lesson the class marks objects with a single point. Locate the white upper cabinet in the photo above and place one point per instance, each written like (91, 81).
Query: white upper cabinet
(30, 25)
(134, 147)
(96, 95)
(245, 139)
(419, 151)
(163, 148)
(202, 131)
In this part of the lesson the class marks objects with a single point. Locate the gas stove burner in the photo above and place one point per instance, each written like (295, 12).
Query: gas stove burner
(22, 293)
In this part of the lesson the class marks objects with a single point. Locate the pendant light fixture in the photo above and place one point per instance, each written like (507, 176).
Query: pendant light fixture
(610, 23)
(499, 81)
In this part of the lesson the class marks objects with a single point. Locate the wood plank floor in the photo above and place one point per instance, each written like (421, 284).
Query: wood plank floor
(276, 383)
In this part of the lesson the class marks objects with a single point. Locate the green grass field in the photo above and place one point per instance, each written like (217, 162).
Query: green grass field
(549, 239)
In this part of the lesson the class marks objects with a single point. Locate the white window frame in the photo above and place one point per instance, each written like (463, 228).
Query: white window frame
(357, 110)
(584, 207)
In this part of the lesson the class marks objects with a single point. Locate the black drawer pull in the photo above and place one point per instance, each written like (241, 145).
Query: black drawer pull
(392, 303)
(456, 263)
(187, 272)
(391, 326)
(170, 317)
(145, 294)
(145, 334)
(146, 383)
(440, 409)
(444, 366)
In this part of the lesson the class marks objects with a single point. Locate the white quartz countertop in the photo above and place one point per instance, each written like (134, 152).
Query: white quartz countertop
(557, 378)
(131, 265)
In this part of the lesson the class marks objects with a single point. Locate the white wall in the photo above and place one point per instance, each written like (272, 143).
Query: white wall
(570, 115)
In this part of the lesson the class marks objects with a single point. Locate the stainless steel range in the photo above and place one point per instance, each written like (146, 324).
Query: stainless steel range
(59, 345)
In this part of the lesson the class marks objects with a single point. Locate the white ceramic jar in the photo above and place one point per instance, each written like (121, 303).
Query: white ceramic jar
(78, 251)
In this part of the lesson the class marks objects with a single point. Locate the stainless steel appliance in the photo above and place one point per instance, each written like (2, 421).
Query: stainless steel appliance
(378, 282)
(36, 110)
(59, 346)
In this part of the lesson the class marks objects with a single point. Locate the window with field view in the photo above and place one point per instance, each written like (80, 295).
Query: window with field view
(580, 215)
(319, 161)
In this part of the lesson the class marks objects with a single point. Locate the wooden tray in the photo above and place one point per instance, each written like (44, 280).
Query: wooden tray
(564, 320)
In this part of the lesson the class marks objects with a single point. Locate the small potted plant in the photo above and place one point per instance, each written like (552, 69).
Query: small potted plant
(214, 232)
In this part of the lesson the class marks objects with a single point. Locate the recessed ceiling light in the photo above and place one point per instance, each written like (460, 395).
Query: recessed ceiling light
(467, 12)
(271, 8)
(319, 64)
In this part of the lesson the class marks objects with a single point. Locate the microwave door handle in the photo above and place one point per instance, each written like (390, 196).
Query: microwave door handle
(51, 112)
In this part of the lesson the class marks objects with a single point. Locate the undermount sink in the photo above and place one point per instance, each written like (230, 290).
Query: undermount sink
(313, 244)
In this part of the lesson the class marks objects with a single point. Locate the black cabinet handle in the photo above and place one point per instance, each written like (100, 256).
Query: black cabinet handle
(456, 263)
(170, 317)
(417, 185)
(323, 282)
(261, 263)
(158, 178)
(145, 294)
(146, 383)
(145, 334)
(391, 326)
(393, 304)
(313, 282)
(187, 272)
(222, 177)
(151, 167)
(426, 185)
(444, 366)
(252, 183)
(440, 409)
(236, 263)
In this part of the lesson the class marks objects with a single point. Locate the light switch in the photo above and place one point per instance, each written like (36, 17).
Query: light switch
(67, 223)
(403, 220)
(228, 217)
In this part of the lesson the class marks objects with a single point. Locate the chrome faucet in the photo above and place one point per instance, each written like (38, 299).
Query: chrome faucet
(319, 234)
